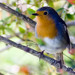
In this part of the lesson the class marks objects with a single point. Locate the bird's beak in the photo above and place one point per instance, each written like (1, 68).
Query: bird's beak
(35, 14)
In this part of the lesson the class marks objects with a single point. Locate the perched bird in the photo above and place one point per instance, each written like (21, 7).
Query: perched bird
(53, 31)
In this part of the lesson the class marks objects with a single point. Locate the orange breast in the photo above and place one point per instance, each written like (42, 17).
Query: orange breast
(46, 27)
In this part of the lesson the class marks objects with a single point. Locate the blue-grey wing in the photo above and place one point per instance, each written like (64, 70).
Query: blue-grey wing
(62, 30)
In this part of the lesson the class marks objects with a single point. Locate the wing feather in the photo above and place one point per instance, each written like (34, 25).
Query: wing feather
(62, 30)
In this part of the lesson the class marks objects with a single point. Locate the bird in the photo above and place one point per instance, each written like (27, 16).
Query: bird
(52, 30)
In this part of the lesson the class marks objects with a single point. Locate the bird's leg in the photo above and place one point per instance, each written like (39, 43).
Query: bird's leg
(59, 57)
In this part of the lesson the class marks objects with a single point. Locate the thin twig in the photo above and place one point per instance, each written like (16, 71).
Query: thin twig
(71, 23)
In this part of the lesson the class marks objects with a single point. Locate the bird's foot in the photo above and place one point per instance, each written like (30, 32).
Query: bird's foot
(59, 70)
(41, 54)
(60, 62)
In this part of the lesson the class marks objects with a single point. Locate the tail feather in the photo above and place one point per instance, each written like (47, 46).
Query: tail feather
(71, 49)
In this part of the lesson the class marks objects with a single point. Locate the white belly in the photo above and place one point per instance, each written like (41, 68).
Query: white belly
(53, 46)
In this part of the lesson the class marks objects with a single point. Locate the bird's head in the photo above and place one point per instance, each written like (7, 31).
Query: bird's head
(45, 17)
(45, 14)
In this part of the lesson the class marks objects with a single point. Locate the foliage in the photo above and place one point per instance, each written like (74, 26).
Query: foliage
(14, 28)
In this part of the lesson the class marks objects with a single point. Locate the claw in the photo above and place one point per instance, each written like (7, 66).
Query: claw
(60, 64)
(41, 54)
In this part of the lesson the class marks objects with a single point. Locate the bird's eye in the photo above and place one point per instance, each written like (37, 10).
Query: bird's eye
(45, 13)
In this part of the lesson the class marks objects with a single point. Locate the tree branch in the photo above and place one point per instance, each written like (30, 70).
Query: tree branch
(8, 46)
(16, 13)
(24, 17)
(1, 74)
(71, 23)
(31, 51)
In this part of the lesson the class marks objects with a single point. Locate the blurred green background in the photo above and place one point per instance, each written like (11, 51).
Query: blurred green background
(17, 62)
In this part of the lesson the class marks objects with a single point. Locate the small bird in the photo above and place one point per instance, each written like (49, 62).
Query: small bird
(53, 31)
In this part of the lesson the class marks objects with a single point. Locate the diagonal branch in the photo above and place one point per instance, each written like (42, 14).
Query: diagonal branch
(24, 17)
(16, 13)
(31, 51)
(8, 46)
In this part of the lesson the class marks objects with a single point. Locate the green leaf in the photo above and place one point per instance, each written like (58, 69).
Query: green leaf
(14, 3)
(40, 42)
(70, 16)
(9, 30)
(17, 9)
(28, 1)
(2, 27)
(8, 24)
(29, 34)
(69, 5)
(30, 11)
(50, 3)
(60, 9)
(22, 30)
(3, 31)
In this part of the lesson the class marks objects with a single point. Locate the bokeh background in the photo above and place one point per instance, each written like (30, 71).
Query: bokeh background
(14, 61)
